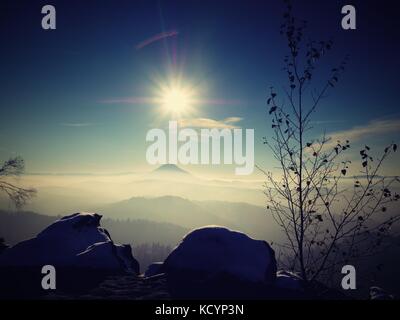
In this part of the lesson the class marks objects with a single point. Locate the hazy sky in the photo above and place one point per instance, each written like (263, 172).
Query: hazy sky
(81, 98)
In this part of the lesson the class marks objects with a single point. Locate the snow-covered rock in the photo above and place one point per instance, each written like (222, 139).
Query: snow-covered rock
(376, 293)
(215, 257)
(289, 281)
(289, 285)
(108, 256)
(154, 269)
(73, 241)
(219, 250)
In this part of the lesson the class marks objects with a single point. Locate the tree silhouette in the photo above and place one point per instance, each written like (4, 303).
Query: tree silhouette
(18, 195)
(327, 224)
(148, 253)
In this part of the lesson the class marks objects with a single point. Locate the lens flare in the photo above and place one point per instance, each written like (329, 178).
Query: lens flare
(176, 100)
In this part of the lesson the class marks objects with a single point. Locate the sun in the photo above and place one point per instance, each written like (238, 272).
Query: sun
(176, 100)
(175, 97)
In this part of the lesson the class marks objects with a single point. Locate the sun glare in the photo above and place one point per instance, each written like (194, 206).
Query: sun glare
(176, 100)
(175, 97)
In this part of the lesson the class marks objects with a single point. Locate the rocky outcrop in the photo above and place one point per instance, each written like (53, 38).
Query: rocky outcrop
(81, 251)
(376, 293)
(215, 262)
(73, 241)
(154, 269)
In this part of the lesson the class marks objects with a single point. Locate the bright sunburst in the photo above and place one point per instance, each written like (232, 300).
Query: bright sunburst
(175, 97)
(176, 100)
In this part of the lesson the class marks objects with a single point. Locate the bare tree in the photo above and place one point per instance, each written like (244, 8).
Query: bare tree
(18, 195)
(328, 217)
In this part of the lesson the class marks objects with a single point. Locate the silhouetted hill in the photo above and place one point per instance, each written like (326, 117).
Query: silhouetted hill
(170, 168)
(193, 214)
(18, 226)
(171, 209)
(143, 231)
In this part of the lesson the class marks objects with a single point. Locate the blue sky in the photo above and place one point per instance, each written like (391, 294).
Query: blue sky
(64, 92)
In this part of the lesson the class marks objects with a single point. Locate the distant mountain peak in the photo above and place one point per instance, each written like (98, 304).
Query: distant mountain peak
(170, 168)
